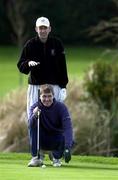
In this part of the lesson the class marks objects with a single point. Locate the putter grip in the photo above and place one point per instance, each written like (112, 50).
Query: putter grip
(38, 113)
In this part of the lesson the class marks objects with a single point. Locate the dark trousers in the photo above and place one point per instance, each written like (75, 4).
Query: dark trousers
(47, 141)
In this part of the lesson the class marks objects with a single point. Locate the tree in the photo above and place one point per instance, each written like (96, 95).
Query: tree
(106, 30)
(63, 14)
(16, 13)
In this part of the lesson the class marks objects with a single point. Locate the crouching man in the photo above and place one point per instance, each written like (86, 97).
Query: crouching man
(55, 128)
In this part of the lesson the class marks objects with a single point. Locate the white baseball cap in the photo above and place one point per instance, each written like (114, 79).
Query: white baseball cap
(42, 21)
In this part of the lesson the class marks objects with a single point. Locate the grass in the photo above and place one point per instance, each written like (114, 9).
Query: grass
(13, 166)
(78, 60)
(9, 75)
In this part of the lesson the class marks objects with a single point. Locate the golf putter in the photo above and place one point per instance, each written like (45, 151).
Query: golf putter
(38, 143)
(38, 135)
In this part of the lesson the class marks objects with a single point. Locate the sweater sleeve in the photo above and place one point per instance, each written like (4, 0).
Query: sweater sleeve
(67, 127)
(24, 59)
(62, 64)
(32, 117)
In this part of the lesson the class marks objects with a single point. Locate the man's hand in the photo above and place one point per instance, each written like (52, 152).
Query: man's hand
(67, 155)
(36, 110)
(63, 94)
(33, 63)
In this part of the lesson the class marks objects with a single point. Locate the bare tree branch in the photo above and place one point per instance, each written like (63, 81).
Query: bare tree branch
(16, 11)
(105, 29)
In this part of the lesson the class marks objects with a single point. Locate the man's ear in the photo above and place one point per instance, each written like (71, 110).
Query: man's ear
(36, 29)
(50, 29)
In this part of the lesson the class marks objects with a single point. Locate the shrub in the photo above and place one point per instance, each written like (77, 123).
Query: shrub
(90, 123)
(13, 125)
(101, 83)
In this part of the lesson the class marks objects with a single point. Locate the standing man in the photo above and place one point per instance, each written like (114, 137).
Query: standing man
(43, 58)
(55, 128)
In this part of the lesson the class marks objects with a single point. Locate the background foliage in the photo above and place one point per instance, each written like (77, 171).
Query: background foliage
(102, 86)
(69, 19)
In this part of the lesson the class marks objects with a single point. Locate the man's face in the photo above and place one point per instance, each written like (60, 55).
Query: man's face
(46, 99)
(43, 31)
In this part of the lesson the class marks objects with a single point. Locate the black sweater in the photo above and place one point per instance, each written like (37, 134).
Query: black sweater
(52, 68)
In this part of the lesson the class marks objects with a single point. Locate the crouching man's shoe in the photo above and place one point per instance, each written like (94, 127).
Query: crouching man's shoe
(34, 162)
(56, 162)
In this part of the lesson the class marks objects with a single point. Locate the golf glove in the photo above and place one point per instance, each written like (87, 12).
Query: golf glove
(33, 63)
(67, 155)
(63, 94)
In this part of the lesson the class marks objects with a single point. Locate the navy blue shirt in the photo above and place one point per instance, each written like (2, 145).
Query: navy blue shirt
(54, 119)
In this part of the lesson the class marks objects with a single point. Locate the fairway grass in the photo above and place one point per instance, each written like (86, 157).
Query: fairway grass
(13, 166)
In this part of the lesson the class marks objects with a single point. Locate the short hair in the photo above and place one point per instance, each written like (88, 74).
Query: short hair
(46, 88)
